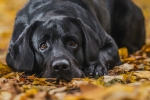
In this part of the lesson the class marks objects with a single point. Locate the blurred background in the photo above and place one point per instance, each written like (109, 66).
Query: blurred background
(9, 8)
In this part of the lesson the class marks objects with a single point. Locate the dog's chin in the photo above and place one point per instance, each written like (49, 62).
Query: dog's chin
(68, 76)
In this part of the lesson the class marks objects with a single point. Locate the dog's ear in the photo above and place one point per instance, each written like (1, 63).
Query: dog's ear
(100, 50)
(20, 56)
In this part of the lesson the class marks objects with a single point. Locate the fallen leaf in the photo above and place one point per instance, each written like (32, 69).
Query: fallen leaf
(32, 77)
(123, 52)
(40, 81)
(31, 92)
(10, 75)
(110, 78)
(125, 67)
(131, 59)
(51, 92)
(61, 95)
(4, 69)
(5, 95)
(142, 74)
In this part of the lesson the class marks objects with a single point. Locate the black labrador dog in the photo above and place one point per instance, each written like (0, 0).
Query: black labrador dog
(64, 39)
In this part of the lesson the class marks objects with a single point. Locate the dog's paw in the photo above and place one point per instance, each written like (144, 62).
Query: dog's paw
(94, 71)
(100, 71)
(89, 72)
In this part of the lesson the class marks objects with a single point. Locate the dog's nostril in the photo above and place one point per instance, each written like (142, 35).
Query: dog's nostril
(60, 65)
(56, 68)
(65, 66)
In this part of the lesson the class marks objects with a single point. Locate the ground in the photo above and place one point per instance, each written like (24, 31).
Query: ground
(130, 81)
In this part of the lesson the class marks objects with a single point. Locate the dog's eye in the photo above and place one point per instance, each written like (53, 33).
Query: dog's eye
(43, 45)
(73, 43)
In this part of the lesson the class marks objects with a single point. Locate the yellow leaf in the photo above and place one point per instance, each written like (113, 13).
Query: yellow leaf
(40, 81)
(73, 97)
(146, 48)
(10, 75)
(147, 68)
(132, 79)
(99, 81)
(123, 52)
(86, 79)
(31, 92)
(4, 69)
(131, 59)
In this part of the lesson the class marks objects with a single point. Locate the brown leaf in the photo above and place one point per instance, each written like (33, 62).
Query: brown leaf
(32, 77)
(87, 87)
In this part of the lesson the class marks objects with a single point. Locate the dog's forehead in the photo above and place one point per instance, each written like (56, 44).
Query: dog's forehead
(53, 17)
(57, 26)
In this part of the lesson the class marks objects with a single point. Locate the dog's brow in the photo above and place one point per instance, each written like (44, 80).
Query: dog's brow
(57, 17)
(50, 17)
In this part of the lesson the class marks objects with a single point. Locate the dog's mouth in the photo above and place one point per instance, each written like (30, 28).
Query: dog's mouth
(62, 69)
(63, 78)
(67, 75)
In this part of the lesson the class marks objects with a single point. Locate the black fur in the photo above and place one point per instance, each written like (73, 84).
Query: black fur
(76, 36)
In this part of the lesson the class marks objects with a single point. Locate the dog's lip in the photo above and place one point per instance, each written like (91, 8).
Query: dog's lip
(74, 72)
(63, 76)
(60, 77)
(68, 77)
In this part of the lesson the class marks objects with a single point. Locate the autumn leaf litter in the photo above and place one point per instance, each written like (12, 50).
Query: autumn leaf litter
(130, 81)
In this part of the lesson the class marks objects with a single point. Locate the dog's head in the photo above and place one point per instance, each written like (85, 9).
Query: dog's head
(61, 48)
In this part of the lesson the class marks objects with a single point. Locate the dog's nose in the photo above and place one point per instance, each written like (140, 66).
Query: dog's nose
(60, 65)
